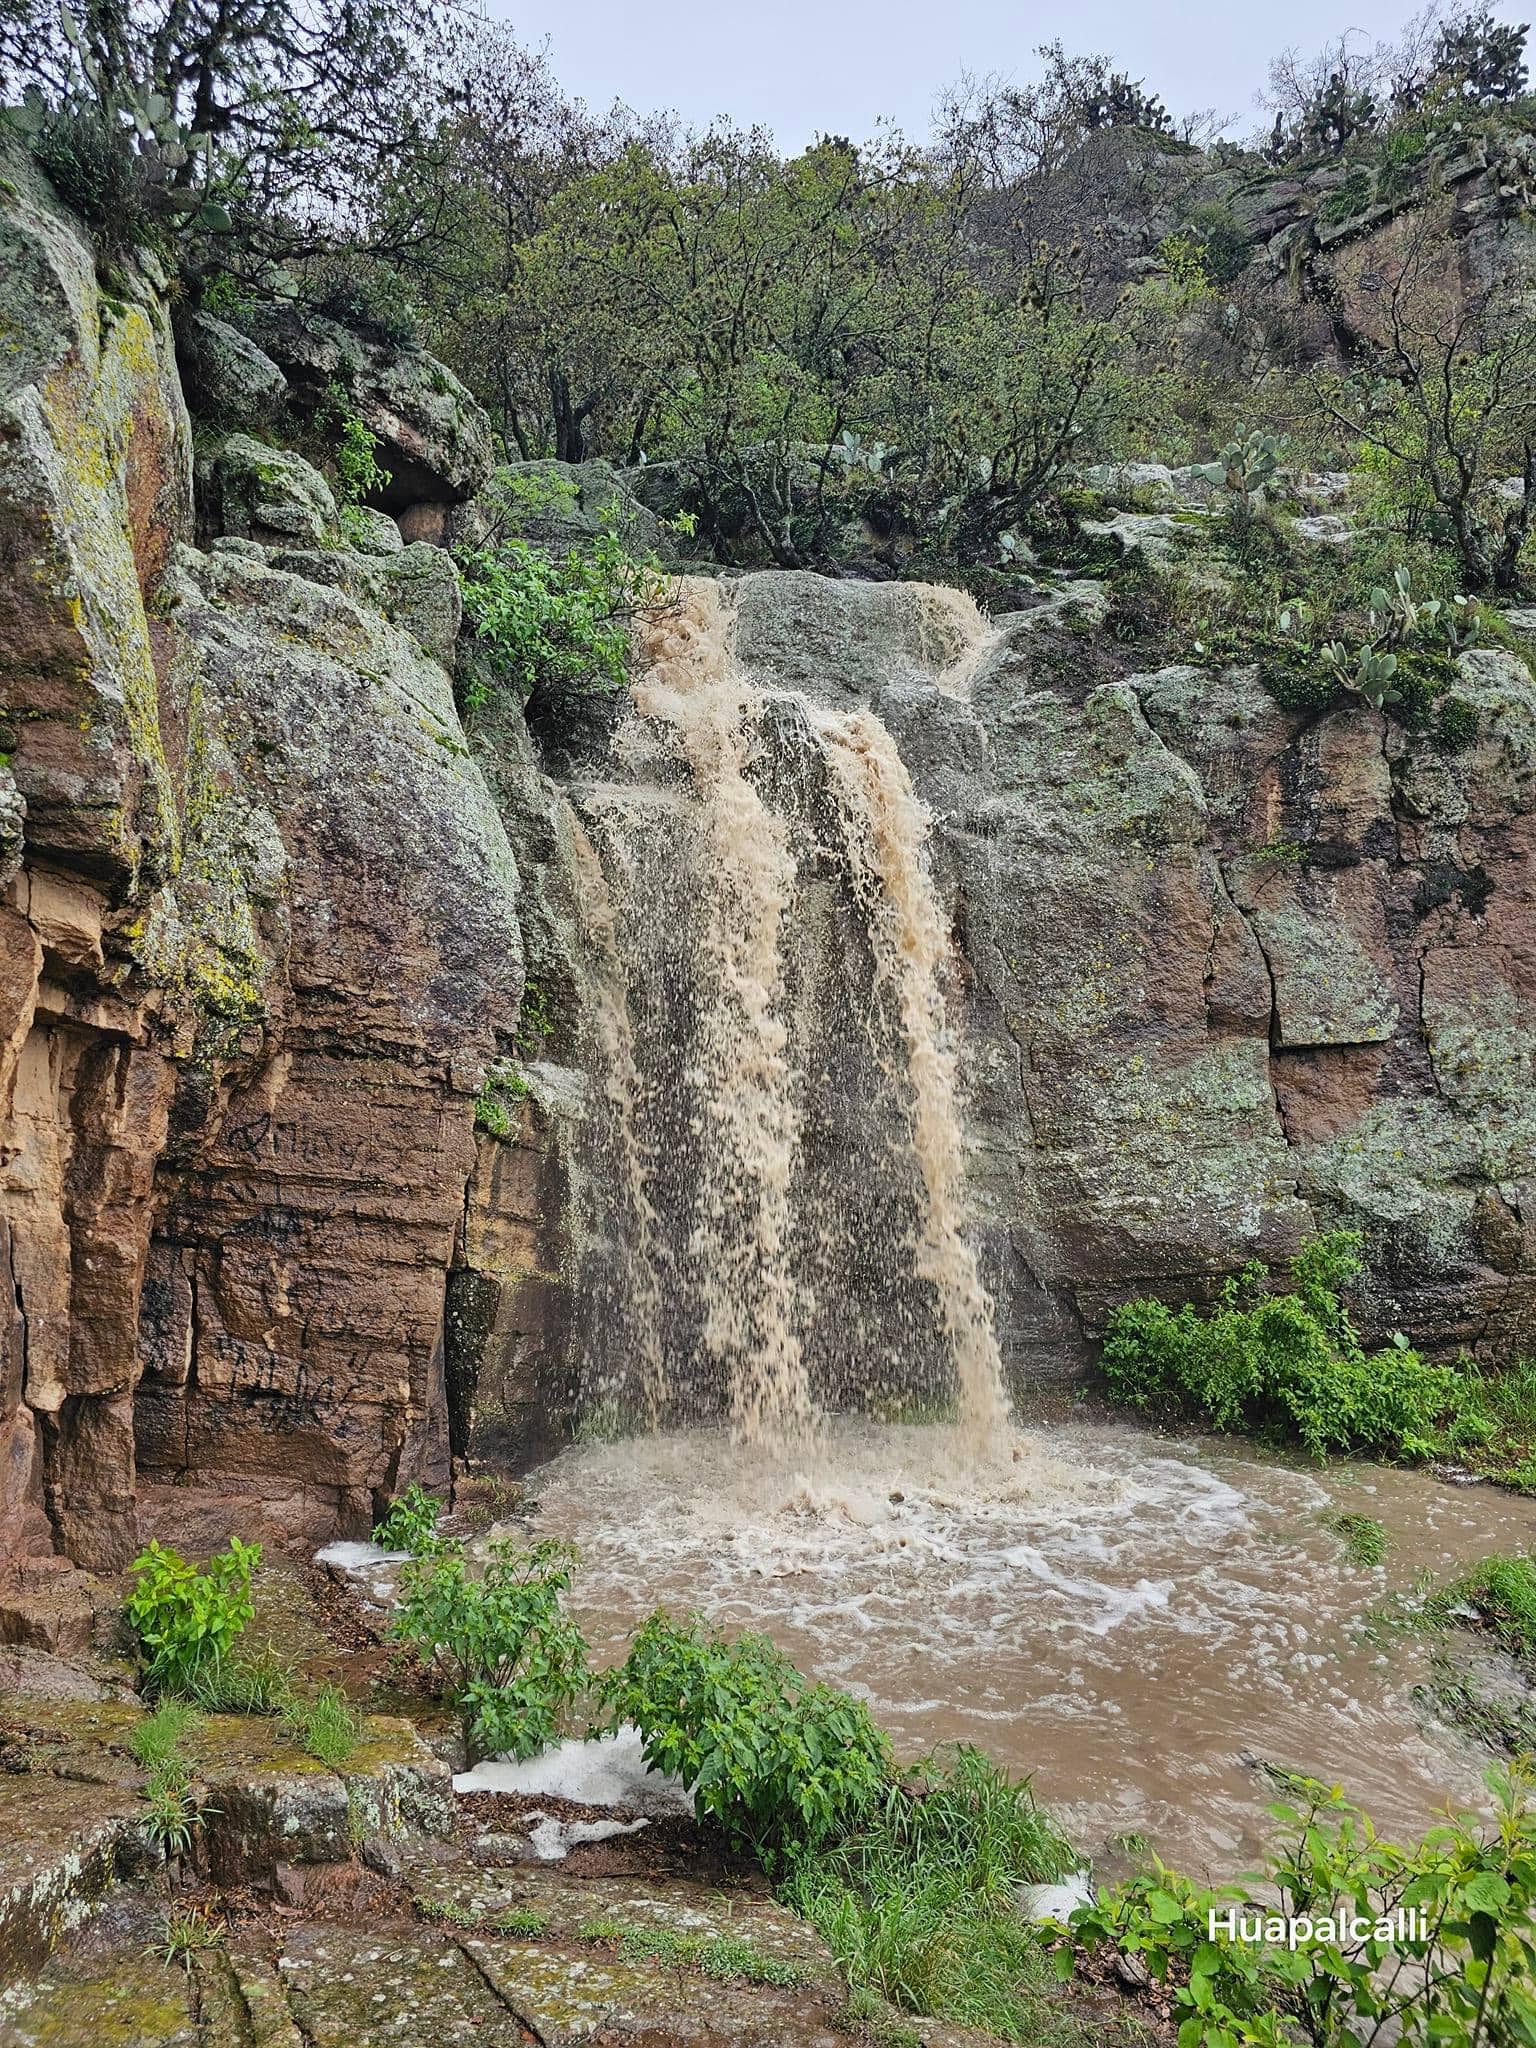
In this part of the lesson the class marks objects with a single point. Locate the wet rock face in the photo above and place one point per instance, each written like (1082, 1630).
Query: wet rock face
(1225, 974)
(258, 940)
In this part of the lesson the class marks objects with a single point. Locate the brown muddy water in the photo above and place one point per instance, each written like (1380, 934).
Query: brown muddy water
(1135, 1621)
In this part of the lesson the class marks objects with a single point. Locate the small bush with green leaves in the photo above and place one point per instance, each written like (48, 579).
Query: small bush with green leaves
(782, 1764)
(187, 1621)
(558, 628)
(411, 1523)
(1470, 1983)
(501, 1644)
(1288, 1362)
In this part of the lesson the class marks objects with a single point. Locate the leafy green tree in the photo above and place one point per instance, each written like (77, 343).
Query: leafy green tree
(263, 116)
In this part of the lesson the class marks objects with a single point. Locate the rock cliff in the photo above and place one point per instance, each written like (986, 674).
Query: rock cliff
(1222, 972)
(1226, 973)
(259, 940)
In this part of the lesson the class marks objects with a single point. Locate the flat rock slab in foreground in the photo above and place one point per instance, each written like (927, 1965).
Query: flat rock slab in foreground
(386, 1972)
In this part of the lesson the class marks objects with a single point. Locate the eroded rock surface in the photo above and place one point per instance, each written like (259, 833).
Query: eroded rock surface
(1225, 974)
(258, 943)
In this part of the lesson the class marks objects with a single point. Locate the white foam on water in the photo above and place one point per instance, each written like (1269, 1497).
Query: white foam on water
(553, 1840)
(1125, 1617)
(359, 1557)
(605, 1770)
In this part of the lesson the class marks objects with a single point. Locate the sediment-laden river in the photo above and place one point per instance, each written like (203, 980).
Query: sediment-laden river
(1140, 1623)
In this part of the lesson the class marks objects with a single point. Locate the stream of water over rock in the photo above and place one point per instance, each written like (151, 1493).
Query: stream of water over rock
(781, 1168)
(780, 1263)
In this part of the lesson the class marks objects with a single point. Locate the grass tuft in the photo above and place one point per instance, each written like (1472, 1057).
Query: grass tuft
(1363, 1537)
(325, 1727)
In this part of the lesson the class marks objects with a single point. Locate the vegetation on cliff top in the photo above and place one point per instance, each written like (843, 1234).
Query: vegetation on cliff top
(893, 352)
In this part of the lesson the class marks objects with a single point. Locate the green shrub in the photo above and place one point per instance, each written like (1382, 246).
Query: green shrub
(359, 473)
(371, 303)
(186, 1621)
(782, 1764)
(411, 1523)
(1298, 680)
(1291, 1362)
(1225, 243)
(556, 627)
(1349, 199)
(502, 1646)
(1471, 1983)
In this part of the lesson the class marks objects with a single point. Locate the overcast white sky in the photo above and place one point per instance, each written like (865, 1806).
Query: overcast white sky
(835, 66)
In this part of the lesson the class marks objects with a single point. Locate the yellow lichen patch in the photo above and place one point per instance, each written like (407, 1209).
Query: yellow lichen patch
(89, 408)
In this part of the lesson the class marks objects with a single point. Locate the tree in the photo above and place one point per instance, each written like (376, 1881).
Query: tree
(463, 225)
(269, 115)
(1445, 395)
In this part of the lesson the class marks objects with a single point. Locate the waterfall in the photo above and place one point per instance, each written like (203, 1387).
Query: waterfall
(637, 1309)
(884, 830)
(782, 1153)
(748, 1091)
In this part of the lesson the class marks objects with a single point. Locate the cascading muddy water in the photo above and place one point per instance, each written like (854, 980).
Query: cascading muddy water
(784, 1149)
(636, 1224)
(884, 827)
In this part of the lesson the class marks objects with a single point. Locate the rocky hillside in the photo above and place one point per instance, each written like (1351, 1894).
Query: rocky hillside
(1223, 971)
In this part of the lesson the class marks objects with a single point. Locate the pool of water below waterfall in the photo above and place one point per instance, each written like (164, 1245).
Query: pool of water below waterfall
(1139, 1622)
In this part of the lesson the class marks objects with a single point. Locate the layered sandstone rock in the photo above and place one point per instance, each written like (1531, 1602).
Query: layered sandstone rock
(258, 944)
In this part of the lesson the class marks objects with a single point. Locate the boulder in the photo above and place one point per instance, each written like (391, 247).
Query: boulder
(228, 380)
(560, 505)
(433, 438)
(252, 491)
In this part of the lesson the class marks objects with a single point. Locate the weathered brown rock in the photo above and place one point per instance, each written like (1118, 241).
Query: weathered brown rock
(258, 942)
